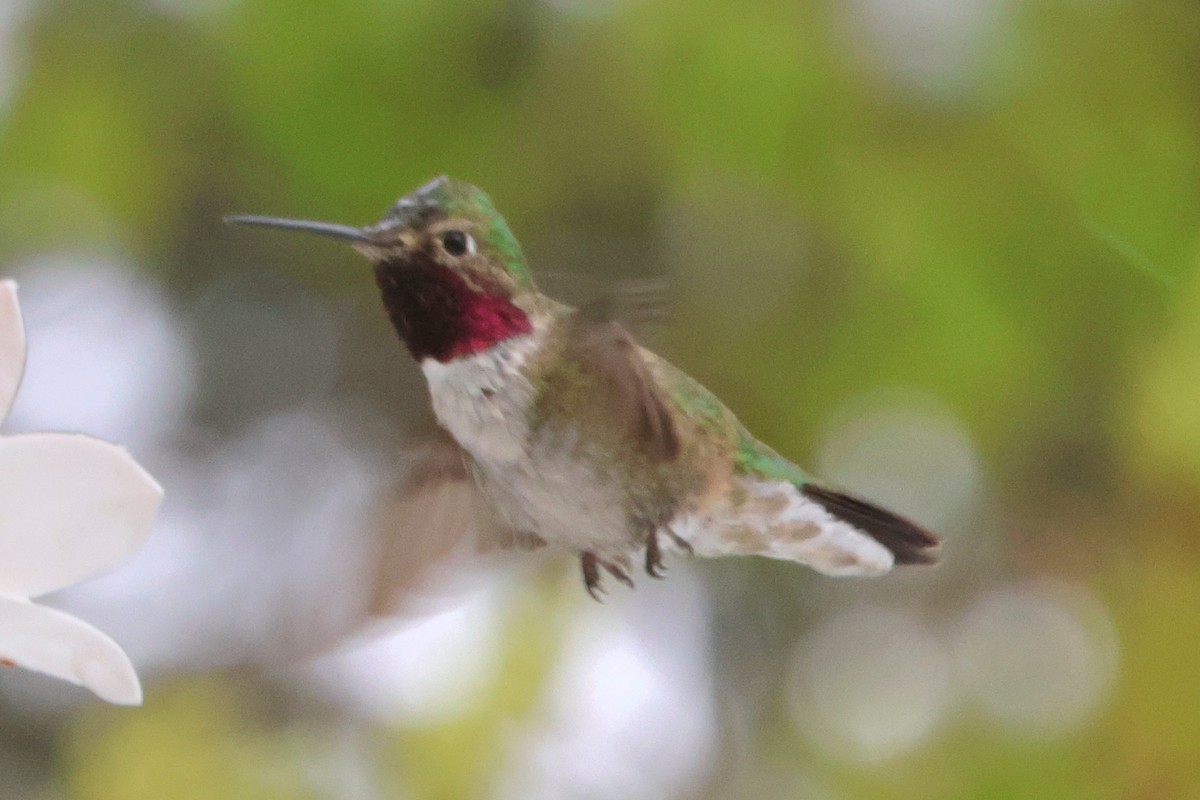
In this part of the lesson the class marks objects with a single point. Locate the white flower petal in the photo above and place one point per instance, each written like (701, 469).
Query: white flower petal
(45, 640)
(12, 345)
(71, 507)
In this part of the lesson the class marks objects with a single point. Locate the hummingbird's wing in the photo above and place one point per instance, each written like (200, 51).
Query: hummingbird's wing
(632, 397)
(437, 511)
(641, 305)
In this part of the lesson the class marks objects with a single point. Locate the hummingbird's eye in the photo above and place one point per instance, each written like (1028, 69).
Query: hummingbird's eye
(457, 243)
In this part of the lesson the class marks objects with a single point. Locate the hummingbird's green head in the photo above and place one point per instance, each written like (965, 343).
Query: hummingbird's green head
(446, 222)
(450, 272)
(455, 224)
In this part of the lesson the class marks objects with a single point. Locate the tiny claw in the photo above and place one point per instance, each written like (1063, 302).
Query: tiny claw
(654, 562)
(591, 575)
(680, 542)
(618, 572)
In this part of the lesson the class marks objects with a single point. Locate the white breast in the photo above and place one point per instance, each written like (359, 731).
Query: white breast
(483, 400)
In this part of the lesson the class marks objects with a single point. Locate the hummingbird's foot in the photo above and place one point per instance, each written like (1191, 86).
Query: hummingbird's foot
(618, 571)
(592, 563)
(654, 562)
(679, 541)
(591, 575)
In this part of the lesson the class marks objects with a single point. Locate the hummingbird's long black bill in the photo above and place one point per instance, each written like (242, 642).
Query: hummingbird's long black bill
(330, 229)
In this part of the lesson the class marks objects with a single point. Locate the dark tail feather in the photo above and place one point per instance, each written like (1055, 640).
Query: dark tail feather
(909, 542)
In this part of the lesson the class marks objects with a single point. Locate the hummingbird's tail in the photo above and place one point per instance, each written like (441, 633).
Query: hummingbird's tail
(908, 542)
(799, 520)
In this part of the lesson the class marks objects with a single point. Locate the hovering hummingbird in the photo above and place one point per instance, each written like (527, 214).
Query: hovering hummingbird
(567, 433)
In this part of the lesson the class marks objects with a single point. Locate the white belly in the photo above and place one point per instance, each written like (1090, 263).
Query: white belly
(536, 482)
(559, 497)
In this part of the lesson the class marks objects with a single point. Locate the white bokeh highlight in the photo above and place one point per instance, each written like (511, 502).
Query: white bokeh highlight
(14, 15)
(260, 553)
(907, 452)
(1039, 659)
(108, 358)
(429, 671)
(870, 685)
(630, 710)
(935, 48)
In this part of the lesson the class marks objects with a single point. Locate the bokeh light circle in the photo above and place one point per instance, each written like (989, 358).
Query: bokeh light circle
(1037, 658)
(869, 685)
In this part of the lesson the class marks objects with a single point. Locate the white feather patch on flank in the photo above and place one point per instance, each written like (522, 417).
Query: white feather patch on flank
(772, 519)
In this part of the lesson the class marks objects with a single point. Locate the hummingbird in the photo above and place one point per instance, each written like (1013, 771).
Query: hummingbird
(563, 431)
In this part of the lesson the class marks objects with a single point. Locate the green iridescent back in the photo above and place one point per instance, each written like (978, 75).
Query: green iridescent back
(750, 456)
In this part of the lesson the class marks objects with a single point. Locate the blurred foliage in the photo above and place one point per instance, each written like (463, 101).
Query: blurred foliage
(203, 740)
(1013, 231)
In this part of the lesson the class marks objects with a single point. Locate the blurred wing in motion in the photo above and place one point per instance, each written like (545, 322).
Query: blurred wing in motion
(630, 394)
(433, 518)
(640, 305)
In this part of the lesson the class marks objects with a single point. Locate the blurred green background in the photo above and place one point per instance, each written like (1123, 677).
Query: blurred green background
(943, 251)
